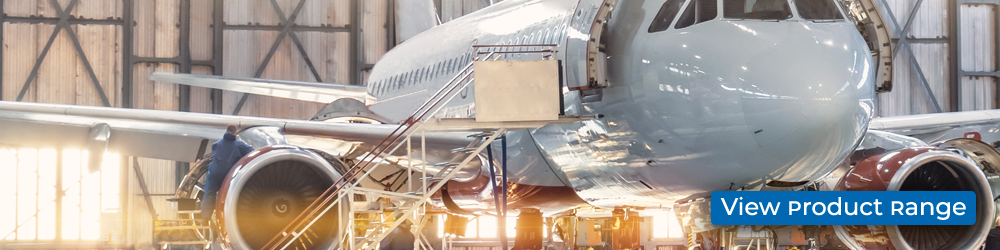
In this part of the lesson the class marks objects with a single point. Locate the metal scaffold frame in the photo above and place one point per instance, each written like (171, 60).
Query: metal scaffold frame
(412, 205)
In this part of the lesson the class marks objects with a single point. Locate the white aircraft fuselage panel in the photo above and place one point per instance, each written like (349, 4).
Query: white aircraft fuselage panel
(723, 104)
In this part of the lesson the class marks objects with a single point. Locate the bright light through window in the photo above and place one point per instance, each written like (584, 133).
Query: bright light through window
(28, 178)
(665, 225)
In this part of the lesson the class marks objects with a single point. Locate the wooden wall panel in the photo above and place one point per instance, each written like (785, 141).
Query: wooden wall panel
(201, 30)
(19, 57)
(373, 21)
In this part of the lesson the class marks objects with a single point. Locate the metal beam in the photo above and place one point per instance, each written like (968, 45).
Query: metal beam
(329, 29)
(217, 52)
(184, 55)
(53, 20)
(184, 42)
(355, 56)
(3, 18)
(912, 40)
(954, 65)
(127, 53)
(981, 73)
(270, 53)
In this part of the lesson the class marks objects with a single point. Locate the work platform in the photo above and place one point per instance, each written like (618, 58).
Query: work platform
(522, 95)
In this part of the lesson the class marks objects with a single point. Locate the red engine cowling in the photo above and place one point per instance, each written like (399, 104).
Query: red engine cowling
(267, 189)
(956, 165)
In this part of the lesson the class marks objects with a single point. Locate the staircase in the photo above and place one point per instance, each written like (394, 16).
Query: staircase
(409, 206)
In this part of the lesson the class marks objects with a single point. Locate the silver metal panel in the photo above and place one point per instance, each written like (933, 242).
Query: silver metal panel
(978, 29)
(978, 93)
(517, 91)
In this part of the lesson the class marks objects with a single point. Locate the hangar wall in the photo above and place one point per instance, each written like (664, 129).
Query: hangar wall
(952, 66)
(105, 50)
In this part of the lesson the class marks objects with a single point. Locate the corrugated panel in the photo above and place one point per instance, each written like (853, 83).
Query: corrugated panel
(978, 54)
(19, 55)
(978, 37)
(908, 95)
(160, 179)
(201, 29)
(978, 93)
(930, 21)
(373, 26)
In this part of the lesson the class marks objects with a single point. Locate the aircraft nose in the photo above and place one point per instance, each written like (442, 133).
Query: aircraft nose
(808, 99)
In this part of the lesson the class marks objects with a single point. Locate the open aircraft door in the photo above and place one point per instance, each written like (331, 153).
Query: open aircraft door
(585, 57)
(865, 14)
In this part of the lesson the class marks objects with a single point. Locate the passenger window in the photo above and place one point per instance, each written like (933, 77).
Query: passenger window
(697, 11)
(666, 15)
(817, 9)
(756, 9)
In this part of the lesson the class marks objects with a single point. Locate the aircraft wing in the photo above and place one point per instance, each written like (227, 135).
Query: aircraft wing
(304, 91)
(926, 123)
(169, 135)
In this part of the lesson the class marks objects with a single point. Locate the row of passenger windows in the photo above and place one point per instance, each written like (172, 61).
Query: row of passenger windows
(413, 77)
(699, 11)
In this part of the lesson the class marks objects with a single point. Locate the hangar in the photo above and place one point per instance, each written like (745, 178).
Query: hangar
(598, 124)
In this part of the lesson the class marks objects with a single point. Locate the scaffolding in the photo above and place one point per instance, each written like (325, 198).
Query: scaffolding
(412, 206)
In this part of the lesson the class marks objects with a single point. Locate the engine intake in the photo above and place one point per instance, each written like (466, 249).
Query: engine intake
(944, 168)
(267, 189)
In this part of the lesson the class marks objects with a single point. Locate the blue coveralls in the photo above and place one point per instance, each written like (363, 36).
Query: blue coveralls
(225, 153)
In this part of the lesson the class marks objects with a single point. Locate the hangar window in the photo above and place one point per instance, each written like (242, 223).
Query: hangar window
(817, 9)
(666, 15)
(666, 226)
(756, 9)
(697, 12)
(50, 194)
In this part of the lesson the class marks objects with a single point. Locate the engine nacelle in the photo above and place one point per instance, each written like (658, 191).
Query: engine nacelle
(944, 168)
(267, 189)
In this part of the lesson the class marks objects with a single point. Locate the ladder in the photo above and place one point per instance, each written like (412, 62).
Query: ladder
(421, 120)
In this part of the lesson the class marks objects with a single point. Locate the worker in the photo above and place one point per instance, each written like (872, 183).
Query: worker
(400, 238)
(225, 153)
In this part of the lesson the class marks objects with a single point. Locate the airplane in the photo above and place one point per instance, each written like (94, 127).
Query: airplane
(685, 97)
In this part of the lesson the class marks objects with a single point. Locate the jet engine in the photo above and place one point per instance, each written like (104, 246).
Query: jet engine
(268, 188)
(956, 165)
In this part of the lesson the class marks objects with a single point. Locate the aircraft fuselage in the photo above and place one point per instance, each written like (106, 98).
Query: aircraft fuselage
(723, 104)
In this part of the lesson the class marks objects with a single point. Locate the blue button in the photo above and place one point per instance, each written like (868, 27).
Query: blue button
(843, 208)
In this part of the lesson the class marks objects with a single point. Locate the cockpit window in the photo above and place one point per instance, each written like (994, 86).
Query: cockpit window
(666, 15)
(698, 11)
(818, 9)
(757, 9)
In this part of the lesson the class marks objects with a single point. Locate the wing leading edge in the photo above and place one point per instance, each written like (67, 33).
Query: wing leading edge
(303, 91)
(169, 135)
